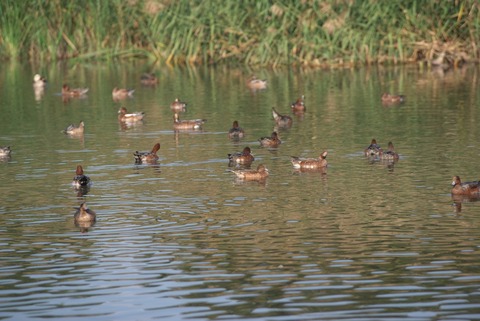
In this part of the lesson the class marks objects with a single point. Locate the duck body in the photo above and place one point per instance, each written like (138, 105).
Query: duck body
(373, 150)
(148, 79)
(5, 151)
(281, 120)
(150, 157)
(242, 158)
(310, 163)
(236, 131)
(390, 153)
(272, 141)
(122, 93)
(390, 98)
(299, 105)
(254, 83)
(75, 130)
(260, 173)
(178, 105)
(84, 214)
(467, 188)
(39, 82)
(124, 116)
(187, 124)
(80, 179)
(73, 92)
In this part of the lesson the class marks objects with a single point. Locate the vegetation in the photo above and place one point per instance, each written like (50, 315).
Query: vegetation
(304, 32)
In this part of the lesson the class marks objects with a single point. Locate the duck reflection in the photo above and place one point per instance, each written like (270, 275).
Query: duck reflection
(39, 84)
(156, 167)
(82, 190)
(458, 200)
(319, 170)
(39, 92)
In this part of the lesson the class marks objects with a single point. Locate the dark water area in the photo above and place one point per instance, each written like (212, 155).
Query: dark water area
(184, 239)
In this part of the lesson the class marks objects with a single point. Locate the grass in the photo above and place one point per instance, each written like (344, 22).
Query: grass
(251, 32)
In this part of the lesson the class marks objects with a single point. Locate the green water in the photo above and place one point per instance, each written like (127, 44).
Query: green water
(185, 240)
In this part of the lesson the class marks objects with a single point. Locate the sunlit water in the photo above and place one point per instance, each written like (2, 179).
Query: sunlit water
(185, 240)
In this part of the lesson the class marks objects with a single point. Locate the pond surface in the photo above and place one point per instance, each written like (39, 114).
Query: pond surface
(185, 240)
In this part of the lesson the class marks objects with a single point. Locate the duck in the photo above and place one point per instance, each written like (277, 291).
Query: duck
(84, 214)
(272, 141)
(147, 157)
(299, 105)
(254, 83)
(242, 158)
(310, 163)
(178, 105)
(373, 150)
(281, 120)
(75, 92)
(75, 130)
(389, 98)
(80, 179)
(5, 151)
(236, 131)
(187, 124)
(124, 116)
(39, 82)
(467, 188)
(390, 153)
(148, 79)
(122, 93)
(260, 173)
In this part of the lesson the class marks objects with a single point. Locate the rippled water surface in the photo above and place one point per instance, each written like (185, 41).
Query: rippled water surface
(185, 240)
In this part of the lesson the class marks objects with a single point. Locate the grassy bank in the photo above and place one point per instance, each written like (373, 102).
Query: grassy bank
(306, 32)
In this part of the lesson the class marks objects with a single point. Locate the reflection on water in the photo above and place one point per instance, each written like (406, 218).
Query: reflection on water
(184, 239)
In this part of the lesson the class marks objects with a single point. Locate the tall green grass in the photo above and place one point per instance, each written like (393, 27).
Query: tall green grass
(307, 32)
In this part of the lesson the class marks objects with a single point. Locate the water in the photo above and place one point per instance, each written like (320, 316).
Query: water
(185, 240)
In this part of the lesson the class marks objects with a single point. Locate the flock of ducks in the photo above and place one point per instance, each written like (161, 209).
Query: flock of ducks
(240, 160)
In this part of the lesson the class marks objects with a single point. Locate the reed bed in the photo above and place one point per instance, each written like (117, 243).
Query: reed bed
(306, 33)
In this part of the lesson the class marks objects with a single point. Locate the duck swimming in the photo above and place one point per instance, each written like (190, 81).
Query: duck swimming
(467, 188)
(84, 214)
(299, 105)
(122, 93)
(310, 163)
(124, 116)
(390, 153)
(74, 130)
(187, 124)
(272, 141)
(260, 173)
(281, 120)
(236, 131)
(254, 83)
(80, 179)
(178, 105)
(373, 150)
(390, 99)
(75, 92)
(242, 158)
(148, 79)
(147, 157)
(39, 82)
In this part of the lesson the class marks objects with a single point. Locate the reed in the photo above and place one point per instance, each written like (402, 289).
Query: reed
(304, 33)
